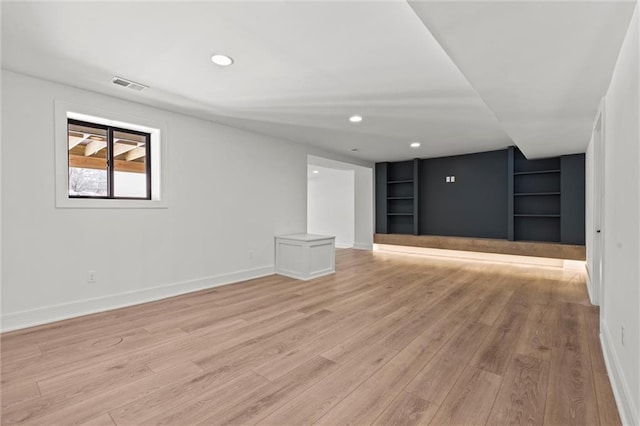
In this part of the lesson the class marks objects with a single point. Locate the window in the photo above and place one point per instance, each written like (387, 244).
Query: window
(113, 159)
(108, 162)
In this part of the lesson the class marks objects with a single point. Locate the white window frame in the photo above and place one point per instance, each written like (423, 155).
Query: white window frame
(64, 111)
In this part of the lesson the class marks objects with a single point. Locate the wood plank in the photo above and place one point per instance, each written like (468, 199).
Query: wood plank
(367, 402)
(521, 399)
(274, 368)
(101, 420)
(12, 353)
(498, 348)
(535, 337)
(100, 163)
(607, 412)
(84, 409)
(179, 394)
(198, 348)
(571, 398)
(470, 400)
(53, 364)
(400, 328)
(383, 318)
(407, 410)
(255, 351)
(263, 401)
(93, 147)
(18, 393)
(309, 406)
(201, 405)
(86, 386)
(491, 312)
(135, 153)
(592, 322)
(436, 379)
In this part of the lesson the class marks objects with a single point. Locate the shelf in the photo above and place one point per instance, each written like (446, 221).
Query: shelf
(399, 198)
(400, 181)
(399, 214)
(536, 215)
(522, 194)
(536, 172)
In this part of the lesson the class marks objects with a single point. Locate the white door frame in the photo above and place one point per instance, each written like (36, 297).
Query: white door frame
(597, 278)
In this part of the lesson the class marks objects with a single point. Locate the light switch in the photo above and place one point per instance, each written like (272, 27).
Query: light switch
(453, 178)
(448, 179)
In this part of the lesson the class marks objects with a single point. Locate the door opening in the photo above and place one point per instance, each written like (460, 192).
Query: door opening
(340, 202)
(598, 219)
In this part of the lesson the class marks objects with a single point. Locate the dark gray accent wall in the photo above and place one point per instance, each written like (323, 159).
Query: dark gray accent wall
(510, 182)
(416, 196)
(475, 205)
(572, 203)
(381, 198)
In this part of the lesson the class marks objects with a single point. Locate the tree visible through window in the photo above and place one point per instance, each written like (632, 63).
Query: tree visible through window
(108, 162)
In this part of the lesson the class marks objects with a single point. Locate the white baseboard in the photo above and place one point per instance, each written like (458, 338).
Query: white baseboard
(342, 245)
(626, 406)
(363, 246)
(589, 285)
(47, 314)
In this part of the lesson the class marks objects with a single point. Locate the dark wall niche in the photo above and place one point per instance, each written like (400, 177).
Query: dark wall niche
(573, 199)
(475, 205)
(496, 194)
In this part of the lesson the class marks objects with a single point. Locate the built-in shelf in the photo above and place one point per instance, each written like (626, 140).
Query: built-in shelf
(544, 197)
(523, 194)
(400, 181)
(536, 172)
(535, 204)
(397, 196)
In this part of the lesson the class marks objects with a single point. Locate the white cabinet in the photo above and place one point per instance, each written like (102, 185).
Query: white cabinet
(305, 256)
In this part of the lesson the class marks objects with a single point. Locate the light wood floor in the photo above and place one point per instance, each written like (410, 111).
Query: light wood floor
(389, 339)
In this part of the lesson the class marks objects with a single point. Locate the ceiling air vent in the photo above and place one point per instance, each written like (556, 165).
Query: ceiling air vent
(128, 84)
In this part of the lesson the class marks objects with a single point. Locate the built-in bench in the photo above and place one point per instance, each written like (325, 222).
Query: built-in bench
(485, 245)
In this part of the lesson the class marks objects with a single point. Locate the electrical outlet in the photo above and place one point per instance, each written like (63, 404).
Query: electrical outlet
(250, 254)
(622, 334)
(448, 179)
(453, 178)
(91, 277)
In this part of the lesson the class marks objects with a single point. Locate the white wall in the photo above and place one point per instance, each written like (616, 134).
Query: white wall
(621, 231)
(363, 182)
(589, 213)
(331, 204)
(364, 207)
(230, 191)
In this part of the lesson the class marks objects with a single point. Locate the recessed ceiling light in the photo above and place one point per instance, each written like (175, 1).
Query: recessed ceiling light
(354, 149)
(222, 60)
(315, 172)
(415, 145)
(355, 118)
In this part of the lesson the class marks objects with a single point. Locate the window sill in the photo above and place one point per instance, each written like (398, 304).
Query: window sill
(86, 203)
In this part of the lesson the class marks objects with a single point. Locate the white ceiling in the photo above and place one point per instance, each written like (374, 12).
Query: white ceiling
(301, 68)
(541, 66)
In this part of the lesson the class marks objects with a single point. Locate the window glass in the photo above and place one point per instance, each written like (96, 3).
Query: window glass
(87, 161)
(108, 162)
(130, 168)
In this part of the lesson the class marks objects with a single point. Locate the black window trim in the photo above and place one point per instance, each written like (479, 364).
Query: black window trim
(110, 169)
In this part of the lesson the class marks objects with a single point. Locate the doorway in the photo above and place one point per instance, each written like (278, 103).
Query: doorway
(330, 204)
(340, 202)
(598, 215)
